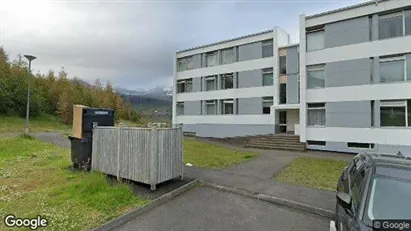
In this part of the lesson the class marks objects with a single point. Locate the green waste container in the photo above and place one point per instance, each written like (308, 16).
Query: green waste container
(81, 152)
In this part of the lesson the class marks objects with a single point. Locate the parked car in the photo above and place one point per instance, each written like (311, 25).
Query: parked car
(372, 187)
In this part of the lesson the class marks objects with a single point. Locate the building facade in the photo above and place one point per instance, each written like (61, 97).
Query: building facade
(345, 87)
(228, 88)
(355, 67)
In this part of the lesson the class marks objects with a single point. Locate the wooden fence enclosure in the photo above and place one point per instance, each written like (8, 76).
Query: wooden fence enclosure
(146, 155)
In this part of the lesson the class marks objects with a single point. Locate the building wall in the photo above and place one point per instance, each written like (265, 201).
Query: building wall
(352, 80)
(292, 89)
(292, 60)
(250, 106)
(352, 114)
(197, 85)
(192, 108)
(378, 148)
(347, 32)
(250, 51)
(228, 130)
(348, 73)
(251, 78)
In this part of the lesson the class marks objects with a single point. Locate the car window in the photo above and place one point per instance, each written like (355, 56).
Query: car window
(389, 198)
(354, 169)
(357, 187)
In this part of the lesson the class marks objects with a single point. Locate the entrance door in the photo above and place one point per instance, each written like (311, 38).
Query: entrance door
(283, 122)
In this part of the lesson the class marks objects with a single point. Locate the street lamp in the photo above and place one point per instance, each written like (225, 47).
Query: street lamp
(26, 128)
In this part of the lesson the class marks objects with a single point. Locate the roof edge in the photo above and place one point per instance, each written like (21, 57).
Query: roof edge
(345, 8)
(225, 41)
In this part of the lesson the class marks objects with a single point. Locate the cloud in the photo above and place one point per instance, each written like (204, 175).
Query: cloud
(132, 43)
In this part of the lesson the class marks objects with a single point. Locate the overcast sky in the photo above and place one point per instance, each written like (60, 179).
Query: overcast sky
(131, 43)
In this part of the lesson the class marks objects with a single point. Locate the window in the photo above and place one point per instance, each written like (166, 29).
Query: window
(408, 63)
(391, 25)
(393, 113)
(180, 108)
(185, 85)
(392, 69)
(315, 39)
(360, 145)
(211, 59)
(211, 108)
(407, 15)
(316, 114)
(316, 76)
(210, 83)
(283, 65)
(227, 56)
(283, 93)
(227, 81)
(409, 112)
(316, 142)
(184, 64)
(267, 48)
(267, 77)
(267, 103)
(227, 106)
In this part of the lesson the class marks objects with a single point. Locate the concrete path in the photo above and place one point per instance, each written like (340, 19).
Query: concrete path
(256, 175)
(204, 208)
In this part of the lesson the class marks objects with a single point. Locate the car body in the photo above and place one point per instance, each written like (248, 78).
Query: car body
(372, 187)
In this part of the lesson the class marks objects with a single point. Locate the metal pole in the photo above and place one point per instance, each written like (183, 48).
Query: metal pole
(26, 129)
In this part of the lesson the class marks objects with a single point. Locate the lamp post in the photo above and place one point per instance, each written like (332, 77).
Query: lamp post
(26, 128)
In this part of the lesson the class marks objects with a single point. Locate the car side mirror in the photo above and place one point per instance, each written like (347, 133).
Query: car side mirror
(344, 199)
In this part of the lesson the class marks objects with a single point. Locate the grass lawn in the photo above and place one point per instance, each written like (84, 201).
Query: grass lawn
(205, 155)
(313, 172)
(35, 180)
(44, 123)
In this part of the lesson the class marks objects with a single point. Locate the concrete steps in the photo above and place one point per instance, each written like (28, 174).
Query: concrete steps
(277, 141)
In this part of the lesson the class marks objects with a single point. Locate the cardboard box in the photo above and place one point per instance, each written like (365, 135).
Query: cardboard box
(78, 121)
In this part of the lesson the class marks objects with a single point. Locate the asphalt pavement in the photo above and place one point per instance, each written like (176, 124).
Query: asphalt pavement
(204, 208)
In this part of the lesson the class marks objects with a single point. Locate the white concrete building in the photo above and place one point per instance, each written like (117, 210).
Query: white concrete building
(227, 88)
(345, 87)
(355, 88)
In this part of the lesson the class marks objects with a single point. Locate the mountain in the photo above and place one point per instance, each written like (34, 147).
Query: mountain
(155, 93)
(155, 103)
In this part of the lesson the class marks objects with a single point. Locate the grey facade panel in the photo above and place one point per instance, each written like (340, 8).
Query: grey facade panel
(292, 60)
(348, 73)
(250, 106)
(347, 32)
(292, 89)
(393, 149)
(197, 61)
(197, 84)
(228, 130)
(192, 108)
(337, 147)
(408, 61)
(251, 78)
(374, 27)
(250, 51)
(354, 114)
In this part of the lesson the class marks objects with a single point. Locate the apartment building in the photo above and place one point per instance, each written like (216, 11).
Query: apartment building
(228, 88)
(345, 87)
(355, 66)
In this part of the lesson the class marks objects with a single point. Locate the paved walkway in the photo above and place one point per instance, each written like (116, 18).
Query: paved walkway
(256, 175)
(205, 208)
